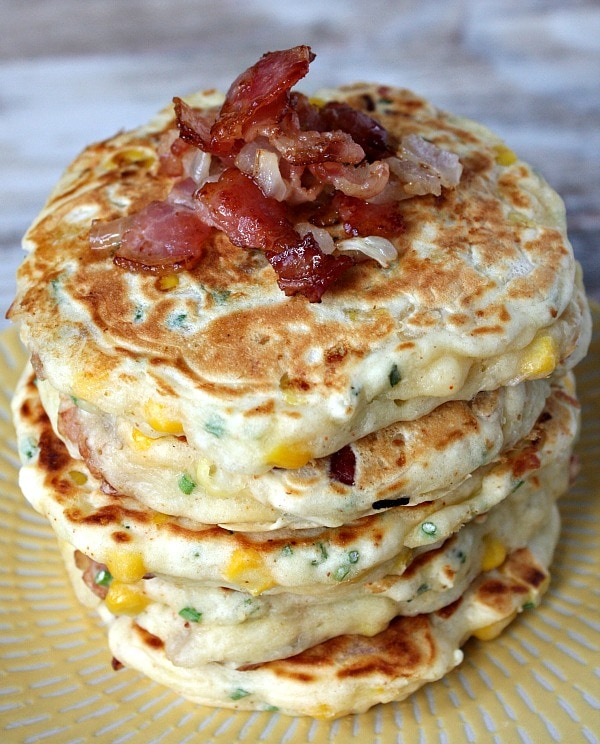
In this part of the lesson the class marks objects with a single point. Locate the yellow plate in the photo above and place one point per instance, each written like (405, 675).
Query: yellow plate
(538, 682)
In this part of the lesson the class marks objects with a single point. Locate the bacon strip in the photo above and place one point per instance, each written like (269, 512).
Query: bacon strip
(162, 237)
(239, 208)
(305, 269)
(259, 93)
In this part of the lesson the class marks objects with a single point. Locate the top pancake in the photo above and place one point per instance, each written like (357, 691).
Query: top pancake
(483, 294)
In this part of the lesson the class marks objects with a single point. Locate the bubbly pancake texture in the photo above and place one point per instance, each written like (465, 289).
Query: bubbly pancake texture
(107, 525)
(483, 293)
(405, 463)
(351, 673)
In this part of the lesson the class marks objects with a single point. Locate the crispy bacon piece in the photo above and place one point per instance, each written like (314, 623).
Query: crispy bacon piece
(90, 570)
(239, 208)
(162, 237)
(364, 181)
(363, 218)
(194, 126)
(259, 93)
(374, 139)
(342, 465)
(305, 269)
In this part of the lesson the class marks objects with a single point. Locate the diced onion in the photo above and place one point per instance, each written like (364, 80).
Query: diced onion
(380, 249)
(199, 167)
(108, 235)
(268, 176)
(322, 237)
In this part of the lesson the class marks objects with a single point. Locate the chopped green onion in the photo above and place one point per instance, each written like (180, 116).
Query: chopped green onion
(215, 426)
(239, 693)
(191, 614)
(287, 550)
(429, 528)
(186, 484)
(341, 573)
(323, 557)
(353, 556)
(103, 577)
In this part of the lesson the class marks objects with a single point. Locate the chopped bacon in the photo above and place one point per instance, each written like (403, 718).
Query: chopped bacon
(342, 465)
(364, 130)
(261, 92)
(363, 218)
(162, 237)
(305, 269)
(304, 148)
(194, 126)
(363, 181)
(90, 570)
(239, 208)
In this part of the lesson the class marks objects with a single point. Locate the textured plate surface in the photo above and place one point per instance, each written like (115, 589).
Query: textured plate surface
(537, 682)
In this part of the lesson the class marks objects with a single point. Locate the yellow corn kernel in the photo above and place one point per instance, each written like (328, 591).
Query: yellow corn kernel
(123, 599)
(167, 282)
(78, 477)
(289, 456)
(157, 418)
(504, 155)
(141, 156)
(88, 385)
(316, 101)
(141, 441)
(540, 358)
(494, 553)
(291, 394)
(159, 518)
(246, 566)
(126, 565)
(489, 632)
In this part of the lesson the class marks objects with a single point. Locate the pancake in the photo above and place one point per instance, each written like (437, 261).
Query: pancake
(351, 673)
(484, 293)
(111, 527)
(405, 463)
(237, 628)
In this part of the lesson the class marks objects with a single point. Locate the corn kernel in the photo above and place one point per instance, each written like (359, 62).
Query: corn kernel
(494, 553)
(159, 518)
(291, 394)
(87, 385)
(289, 456)
(540, 358)
(78, 477)
(126, 565)
(504, 155)
(247, 567)
(167, 282)
(315, 101)
(144, 157)
(157, 418)
(489, 632)
(141, 441)
(123, 599)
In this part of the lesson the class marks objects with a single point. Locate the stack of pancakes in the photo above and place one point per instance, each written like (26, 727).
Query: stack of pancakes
(293, 505)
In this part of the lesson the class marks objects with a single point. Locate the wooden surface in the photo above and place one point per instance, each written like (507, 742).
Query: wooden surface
(72, 72)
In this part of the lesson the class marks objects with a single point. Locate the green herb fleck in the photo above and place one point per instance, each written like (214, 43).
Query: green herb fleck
(287, 550)
(215, 426)
(186, 484)
(239, 693)
(323, 555)
(341, 573)
(519, 484)
(29, 448)
(422, 589)
(177, 321)
(429, 528)
(220, 296)
(103, 577)
(191, 614)
(138, 314)
(353, 556)
(271, 708)
(529, 606)
(460, 555)
(394, 375)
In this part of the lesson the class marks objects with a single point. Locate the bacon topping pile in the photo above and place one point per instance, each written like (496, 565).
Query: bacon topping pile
(315, 187)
